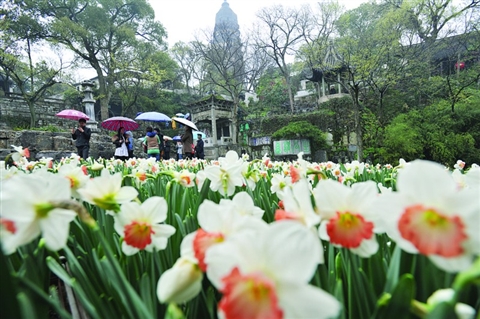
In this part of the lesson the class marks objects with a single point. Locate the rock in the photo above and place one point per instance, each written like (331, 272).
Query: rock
(4, 152)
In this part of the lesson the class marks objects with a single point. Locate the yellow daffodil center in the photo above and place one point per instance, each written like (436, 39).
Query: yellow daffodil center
(434, 219)
(432, 232)
(107, 202)
(349, 229)
(43, 209)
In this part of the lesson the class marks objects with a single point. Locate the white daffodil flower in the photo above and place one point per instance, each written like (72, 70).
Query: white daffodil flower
(29, 209)
(107, 192)
(266, 275)
(431, 215)
(140, 225)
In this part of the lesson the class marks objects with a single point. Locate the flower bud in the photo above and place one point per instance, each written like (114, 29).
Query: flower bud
(463, 311)
(96, 166)
(180, 283)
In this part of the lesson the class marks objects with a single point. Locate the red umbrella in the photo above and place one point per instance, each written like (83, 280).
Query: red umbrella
(114, 123)
(72, 115)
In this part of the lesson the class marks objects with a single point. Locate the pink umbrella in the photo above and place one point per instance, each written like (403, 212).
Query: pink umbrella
(116, 122)
(72, 115)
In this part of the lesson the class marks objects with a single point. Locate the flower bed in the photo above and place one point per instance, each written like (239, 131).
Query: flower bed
(239, 239)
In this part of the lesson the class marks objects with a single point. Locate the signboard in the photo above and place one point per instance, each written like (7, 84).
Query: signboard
(291, 147)
(257, 141)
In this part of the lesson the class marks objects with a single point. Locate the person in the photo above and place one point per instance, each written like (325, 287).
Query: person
(187, 141)
(81, 135)
(166, 155)
(199, 152)
(130, 143)
(179, 151)
(152, 142)
(160, 146)
(121, 142)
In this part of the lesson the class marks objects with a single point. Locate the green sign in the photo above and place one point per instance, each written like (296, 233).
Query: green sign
(291, 147)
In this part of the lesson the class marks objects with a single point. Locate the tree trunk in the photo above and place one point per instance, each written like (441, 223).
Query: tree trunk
(358, 129)
(31, 104)
(103, 92)
(357, 114)
(104, 108)
(33, 117)
(235, 121)
(290, 94)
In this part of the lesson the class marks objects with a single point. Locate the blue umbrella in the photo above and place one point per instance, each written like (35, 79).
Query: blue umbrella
(177, 138)
(153, 117)
(195, 133)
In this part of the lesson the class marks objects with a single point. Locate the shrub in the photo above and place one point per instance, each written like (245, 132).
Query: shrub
(303, 129)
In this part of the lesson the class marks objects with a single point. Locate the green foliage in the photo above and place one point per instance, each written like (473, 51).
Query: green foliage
(268, 126)
(403, 140)
(48, 128)
(373, 133)
(436, 133)
(272, 91)
(72, 97)
(16, 122)
(112, 36)
(303, 129)
(20, 37)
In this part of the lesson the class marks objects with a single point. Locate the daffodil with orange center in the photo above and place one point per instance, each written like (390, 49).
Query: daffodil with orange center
(349, 230)
(218, 222)
(242, 291)
(430, 215)
(266, 275)
(297, 204)
(347, 218)
(184, 178)
(294, 174)
(7, 232)
(76, 175)
(141, 226)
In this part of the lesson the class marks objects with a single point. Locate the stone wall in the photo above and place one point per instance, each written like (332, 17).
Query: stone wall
(13, 109)
(55, 145)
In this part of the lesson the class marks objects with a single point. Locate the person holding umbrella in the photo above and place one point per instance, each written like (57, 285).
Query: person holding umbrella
(187, 141)
(152, 142)
(130, 143)
(121, 142)
(161, 145)
(81, 135)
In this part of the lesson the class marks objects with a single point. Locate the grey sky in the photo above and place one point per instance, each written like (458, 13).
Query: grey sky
(182, 18)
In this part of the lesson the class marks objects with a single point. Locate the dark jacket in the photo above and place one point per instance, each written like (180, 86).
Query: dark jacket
(187, 140)
(199, 149)
(82, 139)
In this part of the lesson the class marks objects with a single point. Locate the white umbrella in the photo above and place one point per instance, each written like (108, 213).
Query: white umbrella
(153, 117)
(185, 122)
